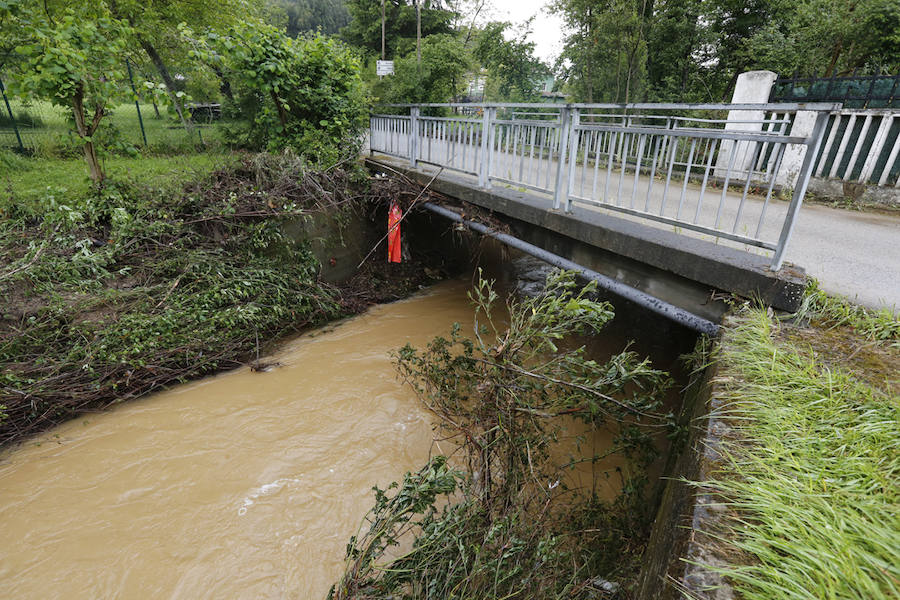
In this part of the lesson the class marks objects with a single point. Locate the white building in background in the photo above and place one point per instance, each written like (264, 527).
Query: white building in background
(475, 86)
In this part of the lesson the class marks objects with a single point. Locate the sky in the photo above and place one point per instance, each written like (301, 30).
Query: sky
(546, 28)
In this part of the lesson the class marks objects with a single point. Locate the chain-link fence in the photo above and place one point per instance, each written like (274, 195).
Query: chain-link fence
(855, 91)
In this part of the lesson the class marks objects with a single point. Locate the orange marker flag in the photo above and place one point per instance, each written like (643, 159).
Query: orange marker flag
(394, 216)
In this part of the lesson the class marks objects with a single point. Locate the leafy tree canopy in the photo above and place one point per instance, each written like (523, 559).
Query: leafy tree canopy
(442, 72)
(693, 50)
(304, 93)
(364, 30)
(301, 16)
(511, 63)
(72, 60)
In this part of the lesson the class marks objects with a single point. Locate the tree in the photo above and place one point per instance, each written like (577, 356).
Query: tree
(511, 64)
(73, 61)
(834, 37)
(606, 49)
(679, 45)
(693, 50)
(302, 16)
(304, 92)
(364, 30)
(438, 78)
(732, 23)
(155, 25)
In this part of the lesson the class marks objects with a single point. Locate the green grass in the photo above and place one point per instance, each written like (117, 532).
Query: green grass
(813, 477)
(54, 136)
(27, 181)
(880, 326)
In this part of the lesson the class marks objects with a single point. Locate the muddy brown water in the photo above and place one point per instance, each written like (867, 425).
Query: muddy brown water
(244, 485)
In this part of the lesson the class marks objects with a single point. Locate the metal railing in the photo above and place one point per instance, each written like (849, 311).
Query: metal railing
(708, 168)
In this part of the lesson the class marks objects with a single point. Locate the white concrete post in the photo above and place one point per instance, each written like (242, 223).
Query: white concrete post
(752, 87)
(791, 164)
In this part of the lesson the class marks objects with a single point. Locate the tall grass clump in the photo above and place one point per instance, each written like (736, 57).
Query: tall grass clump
(812, 478)
(881, 326)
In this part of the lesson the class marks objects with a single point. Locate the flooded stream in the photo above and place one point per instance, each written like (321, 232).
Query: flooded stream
(244, 485)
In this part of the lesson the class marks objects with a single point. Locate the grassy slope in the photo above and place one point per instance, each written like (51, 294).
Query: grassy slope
(813, 479)
(52, 130)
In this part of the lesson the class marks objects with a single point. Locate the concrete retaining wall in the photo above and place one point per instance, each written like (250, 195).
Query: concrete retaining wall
(682, 539)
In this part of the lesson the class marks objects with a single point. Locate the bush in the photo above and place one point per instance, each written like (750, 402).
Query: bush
(303, 93)
(437, 79)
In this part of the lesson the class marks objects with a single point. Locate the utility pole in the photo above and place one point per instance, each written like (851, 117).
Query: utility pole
(418, 32)
(382, 30)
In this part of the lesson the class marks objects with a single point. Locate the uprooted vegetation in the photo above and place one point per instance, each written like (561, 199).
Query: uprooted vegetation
(112, 294)
(505, 518)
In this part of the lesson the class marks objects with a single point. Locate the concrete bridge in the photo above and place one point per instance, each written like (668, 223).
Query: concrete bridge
(677, 201)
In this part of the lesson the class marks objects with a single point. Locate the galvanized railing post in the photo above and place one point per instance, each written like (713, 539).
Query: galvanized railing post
(574, 120)
(413, 136)
(790, 219)
(492, 137)
(561, 157)
(483, 157)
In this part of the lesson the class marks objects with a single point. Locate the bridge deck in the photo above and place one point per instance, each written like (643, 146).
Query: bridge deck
(701, 265)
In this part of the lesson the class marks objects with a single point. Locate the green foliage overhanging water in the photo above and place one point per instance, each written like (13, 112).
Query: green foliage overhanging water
(506, 526)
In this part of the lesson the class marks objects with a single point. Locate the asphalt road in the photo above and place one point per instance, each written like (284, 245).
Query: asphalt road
(852, 254)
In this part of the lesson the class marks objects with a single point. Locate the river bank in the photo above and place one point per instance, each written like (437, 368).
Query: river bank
(153, 282)
(791, 490)
(164, 277)
(239, 485)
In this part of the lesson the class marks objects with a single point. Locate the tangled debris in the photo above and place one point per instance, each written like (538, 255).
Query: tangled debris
(516, 523)
(130, 289)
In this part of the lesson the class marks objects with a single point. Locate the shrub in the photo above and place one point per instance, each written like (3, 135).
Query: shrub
(303, 93)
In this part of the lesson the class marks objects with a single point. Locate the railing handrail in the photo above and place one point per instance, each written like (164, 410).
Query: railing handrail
(788, 107)
(566, 151)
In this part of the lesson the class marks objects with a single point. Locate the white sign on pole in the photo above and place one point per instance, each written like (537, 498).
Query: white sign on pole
(384, 67)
